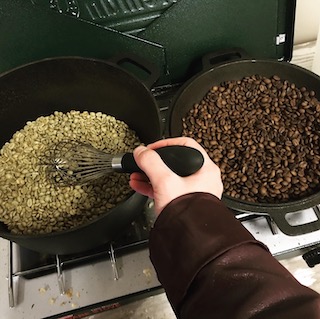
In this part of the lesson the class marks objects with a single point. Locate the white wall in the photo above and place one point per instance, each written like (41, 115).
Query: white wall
(316, 60)
(307, 21)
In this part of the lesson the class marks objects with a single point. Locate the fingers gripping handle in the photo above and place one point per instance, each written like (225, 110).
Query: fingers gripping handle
(182, 160)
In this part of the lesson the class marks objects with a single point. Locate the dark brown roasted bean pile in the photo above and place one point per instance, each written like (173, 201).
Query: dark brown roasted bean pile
(264, 134)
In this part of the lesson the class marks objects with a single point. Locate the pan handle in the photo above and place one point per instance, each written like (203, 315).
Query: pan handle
(217, 57)
(147, 72)
(286, 228)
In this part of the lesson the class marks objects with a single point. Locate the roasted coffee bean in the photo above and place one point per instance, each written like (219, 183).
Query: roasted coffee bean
(263, 133)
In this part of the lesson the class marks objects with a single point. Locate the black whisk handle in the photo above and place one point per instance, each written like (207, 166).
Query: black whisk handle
(182, 160)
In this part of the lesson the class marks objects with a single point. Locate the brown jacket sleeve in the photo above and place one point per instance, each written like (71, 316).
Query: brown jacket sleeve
(211, 267)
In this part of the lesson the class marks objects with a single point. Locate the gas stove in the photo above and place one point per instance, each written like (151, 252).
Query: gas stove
(34, 285)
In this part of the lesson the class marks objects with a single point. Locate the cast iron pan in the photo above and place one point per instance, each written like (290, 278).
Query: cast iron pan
(66, 83)
(235, 68)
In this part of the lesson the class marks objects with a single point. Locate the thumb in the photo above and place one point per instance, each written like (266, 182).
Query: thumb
(151, 163)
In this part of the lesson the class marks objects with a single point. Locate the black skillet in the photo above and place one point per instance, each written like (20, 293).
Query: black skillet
(235, 67)
(66, 83)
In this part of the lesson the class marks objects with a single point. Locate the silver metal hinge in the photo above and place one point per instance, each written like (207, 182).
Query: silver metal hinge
(281, 38)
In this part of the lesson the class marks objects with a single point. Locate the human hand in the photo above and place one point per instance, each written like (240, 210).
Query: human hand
(162, 184)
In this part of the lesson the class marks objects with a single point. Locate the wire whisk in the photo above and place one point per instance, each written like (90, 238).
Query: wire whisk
(77, 163)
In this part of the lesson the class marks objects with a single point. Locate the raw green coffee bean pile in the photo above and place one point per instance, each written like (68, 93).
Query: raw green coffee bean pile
(30, 203)
(264, 134)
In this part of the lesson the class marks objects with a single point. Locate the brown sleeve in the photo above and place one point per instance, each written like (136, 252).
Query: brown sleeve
(210, 265)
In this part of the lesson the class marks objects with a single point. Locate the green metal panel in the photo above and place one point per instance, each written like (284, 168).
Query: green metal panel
(129, 16)
(173, 34)
(190, 29)
(29, 33)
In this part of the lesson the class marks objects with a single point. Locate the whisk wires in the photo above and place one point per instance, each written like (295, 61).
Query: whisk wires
(77, 163)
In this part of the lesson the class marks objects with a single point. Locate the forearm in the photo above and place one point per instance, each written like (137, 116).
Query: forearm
(205, 257)
(246, 282)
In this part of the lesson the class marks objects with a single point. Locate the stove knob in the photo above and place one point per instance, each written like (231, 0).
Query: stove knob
(312, 257)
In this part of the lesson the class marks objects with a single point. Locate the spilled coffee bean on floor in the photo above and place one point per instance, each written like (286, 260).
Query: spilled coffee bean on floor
(264, 134)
